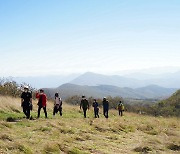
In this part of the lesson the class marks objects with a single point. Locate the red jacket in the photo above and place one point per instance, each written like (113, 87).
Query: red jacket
(44, 98)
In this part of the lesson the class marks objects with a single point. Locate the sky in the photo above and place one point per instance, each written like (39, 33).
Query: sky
(54, 37)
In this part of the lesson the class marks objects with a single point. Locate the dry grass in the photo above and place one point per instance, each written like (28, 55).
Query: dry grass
(75, 135)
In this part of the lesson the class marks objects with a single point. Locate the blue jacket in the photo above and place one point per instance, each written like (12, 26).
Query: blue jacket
(95, 105)
(105, 105)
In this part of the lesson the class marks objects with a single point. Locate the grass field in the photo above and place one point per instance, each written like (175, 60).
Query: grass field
(73, 134)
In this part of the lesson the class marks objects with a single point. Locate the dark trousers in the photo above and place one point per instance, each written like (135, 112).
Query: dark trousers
(106, 113)
(39, 110)
(84, 110)
(57, 109)
(96, 113)
(120, 112)
(26, 110)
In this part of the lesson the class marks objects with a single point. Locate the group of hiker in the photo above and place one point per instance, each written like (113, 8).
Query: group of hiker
(26, 104)
(105, 103)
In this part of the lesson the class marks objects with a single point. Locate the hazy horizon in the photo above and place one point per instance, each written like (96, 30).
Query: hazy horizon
(151, 71)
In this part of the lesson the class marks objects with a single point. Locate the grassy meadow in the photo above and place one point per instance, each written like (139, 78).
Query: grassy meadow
(73, 134)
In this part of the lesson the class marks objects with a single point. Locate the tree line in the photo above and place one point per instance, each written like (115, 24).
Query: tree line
(12, 88)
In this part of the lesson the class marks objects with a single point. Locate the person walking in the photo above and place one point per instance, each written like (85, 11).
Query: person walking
(84, 105)
(96, 109)
(105, 107)
(120, 108)
(57, 105)
(41, 102)
(26, 101)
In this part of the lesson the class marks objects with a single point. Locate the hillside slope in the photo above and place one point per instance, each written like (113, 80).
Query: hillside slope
(100, 91)
(170, 106)
(154, 91)
(73, 134)
(67, 90)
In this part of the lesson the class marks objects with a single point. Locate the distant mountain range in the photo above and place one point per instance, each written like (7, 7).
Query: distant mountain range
(100, 91)
(132, 80)
(168, 80)
(93, 79)
(135, 85)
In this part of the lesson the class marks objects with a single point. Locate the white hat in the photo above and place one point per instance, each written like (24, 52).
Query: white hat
(26, 87)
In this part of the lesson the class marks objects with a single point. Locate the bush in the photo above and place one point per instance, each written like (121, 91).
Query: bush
(11, 88)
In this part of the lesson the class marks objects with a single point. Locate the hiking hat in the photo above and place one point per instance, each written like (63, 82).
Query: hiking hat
(26, 87)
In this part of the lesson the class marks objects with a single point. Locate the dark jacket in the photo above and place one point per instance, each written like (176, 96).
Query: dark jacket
(105, 105)
(84, 104)
(26, 96)
(95, 105)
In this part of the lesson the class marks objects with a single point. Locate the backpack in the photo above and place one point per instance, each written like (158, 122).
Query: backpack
(121, 107)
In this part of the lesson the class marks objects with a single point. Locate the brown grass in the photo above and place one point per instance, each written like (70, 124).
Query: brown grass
(72, 133)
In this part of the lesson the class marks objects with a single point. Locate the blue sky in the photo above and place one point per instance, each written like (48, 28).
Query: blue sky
(48, 37)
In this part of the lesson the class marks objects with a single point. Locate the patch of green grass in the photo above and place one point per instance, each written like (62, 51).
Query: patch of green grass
(76, 151)
(72, 114)
(149, 129)
(51, 148)
(67, 130)
(24, 149)
(24, 123)
(125, 128)
(4, 115)
(43, 129)
(20, 148)
(5, 125)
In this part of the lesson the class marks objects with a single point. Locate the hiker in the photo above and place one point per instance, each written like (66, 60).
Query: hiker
(57, 105)
(105, 107)
(41, 102)
(120, 108)
(96, 108)
(84, 105)
(26, 101)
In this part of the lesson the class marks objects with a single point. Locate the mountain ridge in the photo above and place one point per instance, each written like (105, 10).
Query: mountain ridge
(133, 80)
(69, 89)
(168, 80)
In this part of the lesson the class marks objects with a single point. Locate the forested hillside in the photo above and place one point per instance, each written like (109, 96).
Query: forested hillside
(170, 106)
